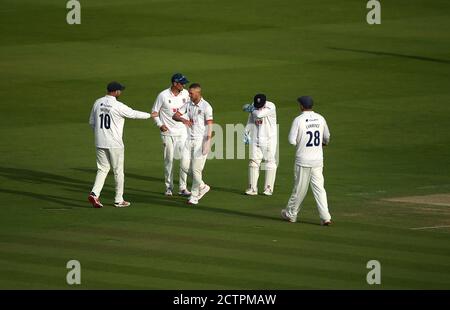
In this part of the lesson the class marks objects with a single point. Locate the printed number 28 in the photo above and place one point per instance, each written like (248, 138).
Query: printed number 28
(314, 138)
(105, 121)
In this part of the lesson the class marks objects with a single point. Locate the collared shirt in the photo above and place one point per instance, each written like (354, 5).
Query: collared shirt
(167, 104)
(107, 119)
(198, 114)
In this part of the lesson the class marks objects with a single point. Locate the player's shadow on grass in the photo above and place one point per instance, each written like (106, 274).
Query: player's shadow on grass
(157, 180)
(38, 177)
(423, 58)
(127, 175)
(66, 202)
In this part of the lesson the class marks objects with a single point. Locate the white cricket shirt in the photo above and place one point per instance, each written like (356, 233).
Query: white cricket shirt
(262, 124)
(309, 130)
(167, 104)
(107, 119)
(198, 114)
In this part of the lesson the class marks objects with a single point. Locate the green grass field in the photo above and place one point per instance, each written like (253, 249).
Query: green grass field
(384, 90)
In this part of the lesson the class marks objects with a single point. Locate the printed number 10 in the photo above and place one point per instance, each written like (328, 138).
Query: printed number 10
(105, 121)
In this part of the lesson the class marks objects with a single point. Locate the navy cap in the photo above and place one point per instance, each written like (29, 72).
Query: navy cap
(306, 102)
(113, 86)
(179, 78)
(259, 100)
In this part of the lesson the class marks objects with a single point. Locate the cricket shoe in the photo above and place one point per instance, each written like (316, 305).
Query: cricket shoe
(286, 217)
(268, 192)
(168, 192)
(203, 191)
(192, 201)
(95, 201)
(251, 192)
(184, 193)
(122, 204)
(326, 223)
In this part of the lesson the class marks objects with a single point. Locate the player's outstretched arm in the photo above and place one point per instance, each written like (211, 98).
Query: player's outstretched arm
(126, 111)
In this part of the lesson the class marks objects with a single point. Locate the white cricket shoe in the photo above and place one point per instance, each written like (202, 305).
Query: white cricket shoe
(192, 201)
(251, 192)
(122, 204)
(286, 217)
(203, 190)
(268, 191)
(168, 192)
(184, 193)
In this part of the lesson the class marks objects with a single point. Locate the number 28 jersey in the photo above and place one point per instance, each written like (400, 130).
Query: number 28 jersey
(107, 119)
(308, 132)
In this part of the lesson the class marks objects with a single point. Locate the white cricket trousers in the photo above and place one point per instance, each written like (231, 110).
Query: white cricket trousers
(194, 159)
(303, 177)
(173, 149)
(107, 158)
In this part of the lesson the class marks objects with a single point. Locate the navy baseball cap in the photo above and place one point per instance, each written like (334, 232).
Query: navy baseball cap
(259, 100)
(306, 101)
(179, 78)
(113, 86)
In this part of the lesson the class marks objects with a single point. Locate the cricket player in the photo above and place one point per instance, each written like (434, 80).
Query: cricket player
(261, 133)
(197, 116)
(173, 134)
(309, 132)
(107, 119)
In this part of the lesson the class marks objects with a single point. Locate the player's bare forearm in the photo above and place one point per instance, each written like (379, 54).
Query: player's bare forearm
(179, 118)
(210, 129)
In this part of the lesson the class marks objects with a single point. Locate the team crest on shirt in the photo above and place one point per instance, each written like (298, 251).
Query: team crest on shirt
(258, 121)
(184, 100)
(170, 101)
(199, 112)
(174, 110)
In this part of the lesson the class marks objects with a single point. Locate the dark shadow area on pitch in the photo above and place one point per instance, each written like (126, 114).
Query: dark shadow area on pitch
(66, 202)
(38, 177)
(161, 180)
(423, 58)
(127, 175)
(158, 199)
